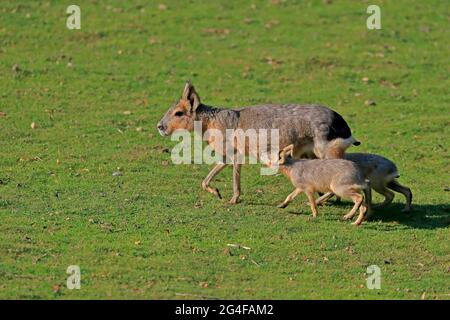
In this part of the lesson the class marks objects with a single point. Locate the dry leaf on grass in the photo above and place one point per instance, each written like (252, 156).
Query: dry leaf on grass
(220, 32)
(56, 288)
(273, 62)
(370, 103)
(16, 68)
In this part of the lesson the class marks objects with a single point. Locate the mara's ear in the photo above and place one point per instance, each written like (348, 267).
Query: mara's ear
(282, 157)
(288, 151)
(191, 95)
(186, 90)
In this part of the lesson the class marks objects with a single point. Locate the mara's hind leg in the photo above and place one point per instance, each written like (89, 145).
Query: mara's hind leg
(396, 186)
(236, 182)
(357, 200)
(362, 211)
(367, 200)
(324, 198)
(289, 198)
(388, 196)
(312, 203)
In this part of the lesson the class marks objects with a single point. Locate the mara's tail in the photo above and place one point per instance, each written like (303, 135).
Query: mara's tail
(353, 141)
(392, 176)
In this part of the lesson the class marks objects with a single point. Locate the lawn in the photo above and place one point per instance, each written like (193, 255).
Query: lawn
(85, 178)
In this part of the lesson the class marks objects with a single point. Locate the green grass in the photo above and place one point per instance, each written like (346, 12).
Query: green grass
(152, 233)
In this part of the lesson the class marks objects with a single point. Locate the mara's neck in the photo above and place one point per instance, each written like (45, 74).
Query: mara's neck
(205, 113)
(285, 169)
(212, 116)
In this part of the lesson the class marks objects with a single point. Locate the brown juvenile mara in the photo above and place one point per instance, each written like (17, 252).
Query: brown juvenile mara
(310, 128)
(339, 176)
(382, 174)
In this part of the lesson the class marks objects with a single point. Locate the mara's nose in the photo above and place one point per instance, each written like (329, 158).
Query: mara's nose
(160, 127)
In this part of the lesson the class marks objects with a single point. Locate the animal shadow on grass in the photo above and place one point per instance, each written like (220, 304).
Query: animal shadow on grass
(422, 216)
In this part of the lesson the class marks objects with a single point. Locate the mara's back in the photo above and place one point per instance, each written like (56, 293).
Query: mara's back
(296, 121)
(324, 172)
(373, 164)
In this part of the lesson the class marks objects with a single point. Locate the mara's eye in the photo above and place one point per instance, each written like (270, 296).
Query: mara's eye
(179, 114)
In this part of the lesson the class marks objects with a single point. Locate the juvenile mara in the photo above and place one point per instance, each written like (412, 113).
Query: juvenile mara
(382, 174)
(339, 176)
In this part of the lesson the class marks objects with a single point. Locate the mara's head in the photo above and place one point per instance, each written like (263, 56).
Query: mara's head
(181, 114)
(280, 158)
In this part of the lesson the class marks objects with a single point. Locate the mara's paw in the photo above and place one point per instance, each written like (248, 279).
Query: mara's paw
(216, 192)
(234, 200)
(213, 191)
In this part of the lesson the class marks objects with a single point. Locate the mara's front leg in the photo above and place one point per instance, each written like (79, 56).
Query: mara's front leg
(205, 184)
(312, 203)
(236, 182)
(289, 198)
